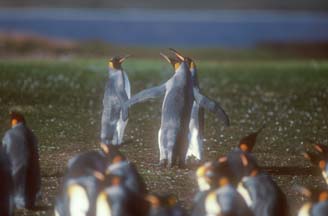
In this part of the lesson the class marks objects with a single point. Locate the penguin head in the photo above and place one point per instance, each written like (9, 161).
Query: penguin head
(247, 143)
(16, 118)
(175, 62)
(115, 63)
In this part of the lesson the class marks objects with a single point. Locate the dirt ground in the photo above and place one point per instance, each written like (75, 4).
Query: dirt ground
(62, 103)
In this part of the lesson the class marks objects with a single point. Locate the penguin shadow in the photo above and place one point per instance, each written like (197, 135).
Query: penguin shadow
(57, 174)
(292, 170)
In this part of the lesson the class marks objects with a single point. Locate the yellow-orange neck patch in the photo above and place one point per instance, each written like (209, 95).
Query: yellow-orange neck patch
(110, 64)
(176, 66)
(223, 181)
(322, 164)
(323, 196)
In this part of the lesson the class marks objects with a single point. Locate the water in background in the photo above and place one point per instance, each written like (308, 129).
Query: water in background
(169, 28)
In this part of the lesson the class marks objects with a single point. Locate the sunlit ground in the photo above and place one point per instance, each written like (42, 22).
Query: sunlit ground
(62, 101)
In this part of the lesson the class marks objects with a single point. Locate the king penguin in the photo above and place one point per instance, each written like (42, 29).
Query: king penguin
(6, 186)
(260, 192)
(196, 124)
(83, 180)
(20, 144)
(223, 199)
(176, 109)
(117, 91)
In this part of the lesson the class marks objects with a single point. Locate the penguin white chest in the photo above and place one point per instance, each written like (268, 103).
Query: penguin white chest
(245, 194)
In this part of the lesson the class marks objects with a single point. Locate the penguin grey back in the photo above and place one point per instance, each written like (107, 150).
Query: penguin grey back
(117, 91)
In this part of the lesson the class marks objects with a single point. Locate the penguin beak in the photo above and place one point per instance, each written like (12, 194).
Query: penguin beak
(177, 54)
(165, 57)
(123, 59)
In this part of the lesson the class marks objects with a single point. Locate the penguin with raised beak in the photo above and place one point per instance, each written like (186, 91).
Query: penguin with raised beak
(196, 124)
(117, 91)
(176, 109)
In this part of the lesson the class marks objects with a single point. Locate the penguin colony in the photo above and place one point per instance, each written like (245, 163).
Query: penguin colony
(104, 183)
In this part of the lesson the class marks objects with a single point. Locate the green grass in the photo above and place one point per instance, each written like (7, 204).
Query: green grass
(62, 101)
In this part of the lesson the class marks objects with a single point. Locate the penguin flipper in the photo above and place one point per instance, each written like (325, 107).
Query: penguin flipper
(211, 106)
(144, 95)
(147, 94)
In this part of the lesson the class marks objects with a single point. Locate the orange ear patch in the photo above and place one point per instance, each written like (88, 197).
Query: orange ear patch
(322, 164)
(172, 200)
(254, 172)
(117, 159)
(116, 181)
(323, 196)
(223, 181)
(243, 147)
(14, 122)
(153, 200)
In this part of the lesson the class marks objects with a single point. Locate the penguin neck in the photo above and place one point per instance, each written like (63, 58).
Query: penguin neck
(113, 71)
(17, 124)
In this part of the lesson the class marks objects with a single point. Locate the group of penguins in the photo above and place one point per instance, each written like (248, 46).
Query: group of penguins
(104, 182)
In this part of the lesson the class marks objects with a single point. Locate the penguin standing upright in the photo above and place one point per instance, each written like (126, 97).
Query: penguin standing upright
(260, 192)
(21, 145)
(245, 147)
(176, 110)
(83, 180)
(6, 186)
(196, 124)
(117, 91)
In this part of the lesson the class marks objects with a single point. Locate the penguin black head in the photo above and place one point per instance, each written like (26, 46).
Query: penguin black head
(116, 62)
(175, 62)
(247, 143)
(16, 118)
(190, 63)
